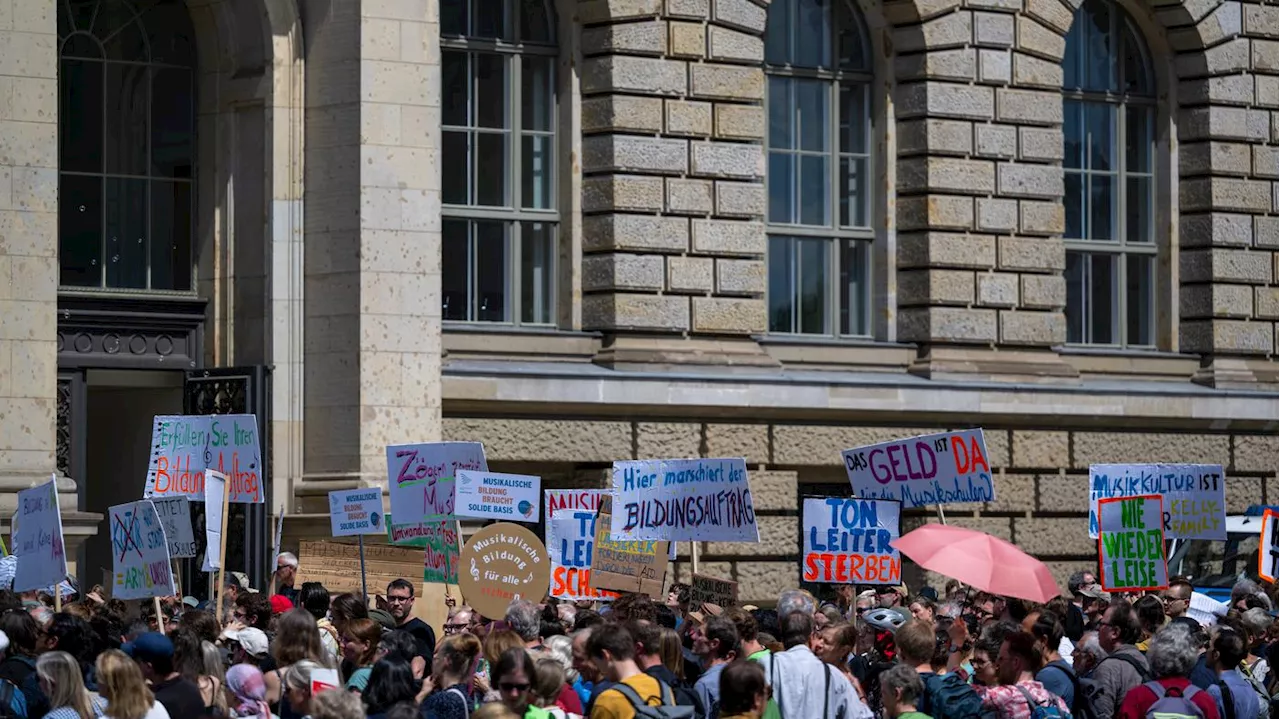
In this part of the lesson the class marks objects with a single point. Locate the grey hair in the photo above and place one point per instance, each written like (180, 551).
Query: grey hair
(949, 609)
(1172, 651)
(1075, 582)
(905, 679)
(298, 675)
(794, 600)
(1256, 621)
(560, 648)
(525, 619)
(290, 559)
(1089, 645)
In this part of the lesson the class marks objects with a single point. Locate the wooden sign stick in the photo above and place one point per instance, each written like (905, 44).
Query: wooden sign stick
(222, 550)
(159, 614)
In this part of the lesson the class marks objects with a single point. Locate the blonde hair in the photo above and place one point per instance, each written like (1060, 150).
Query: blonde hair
(548, 680)
(120, 682)
(62, 672)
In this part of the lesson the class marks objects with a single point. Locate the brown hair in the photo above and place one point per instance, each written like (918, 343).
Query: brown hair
(366, 630)
(120, 682)
(915, 642)
(459, 652)
(547, 680)
(495, 643)
(842, 635)
(298, 638)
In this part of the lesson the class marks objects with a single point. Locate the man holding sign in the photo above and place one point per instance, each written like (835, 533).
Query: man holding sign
(1131, 543)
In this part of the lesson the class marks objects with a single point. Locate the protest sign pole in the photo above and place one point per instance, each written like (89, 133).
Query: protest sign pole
(693, 558)
(159, 615)
(57, 597)
(222, 550)
(364, 584)
(941, 517)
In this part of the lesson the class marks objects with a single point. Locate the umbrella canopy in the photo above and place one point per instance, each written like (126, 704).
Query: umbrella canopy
(979, 560)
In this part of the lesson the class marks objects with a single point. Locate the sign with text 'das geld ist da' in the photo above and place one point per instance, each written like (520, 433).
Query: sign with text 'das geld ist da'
(943, 468)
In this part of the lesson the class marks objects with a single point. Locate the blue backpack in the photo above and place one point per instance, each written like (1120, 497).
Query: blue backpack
(1042, 709)
(948, 697)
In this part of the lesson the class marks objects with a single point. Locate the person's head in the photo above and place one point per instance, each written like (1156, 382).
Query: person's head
(922, 608)
(1176, 597)
(986, 652)
(231, 587)
(248, 690)
(459, 620)
(525, 619)
(121, 683)
(203, 623)
(678, 597)
(835, 642)
(286, 569)
(1257, 624)
(548, 681)
(1227, 649)
(297, 638)
(1243, 589)
(400, 600)
(796, 628)
(1019, 659)
(1076, 581)
(360, 641)
(314, 598)
(984, 608)
(73, 635)
(1172, 651)
(346, 607)
(1150, 611)
(795, 601)
(633, 608)
(742, 688)
(560, 648)
(188, 660)
(297, 685)
(513, 678)
(22, 632)
(1119, 626)
(671, 651)
(61, 680)
(716, 640)
(1088, 653)
(153, 652)
(1047, 629)
(826, 616)
(745, 623)
(900, 689)
(456, 657)
(390, 682)
(496, 643)
(610, 646)
(248, 645)
(336, 704)
(891, 596)
(581, 659)
(915, 642)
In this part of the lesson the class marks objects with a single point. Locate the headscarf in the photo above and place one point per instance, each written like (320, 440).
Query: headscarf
(250, 689)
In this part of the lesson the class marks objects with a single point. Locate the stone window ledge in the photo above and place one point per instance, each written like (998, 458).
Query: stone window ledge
(821, 353)
(1111, 363)
(473, 341)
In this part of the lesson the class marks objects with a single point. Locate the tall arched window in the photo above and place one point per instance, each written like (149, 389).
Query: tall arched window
(126, 133)
(498, 161)
(820, 174)
(1109, 113)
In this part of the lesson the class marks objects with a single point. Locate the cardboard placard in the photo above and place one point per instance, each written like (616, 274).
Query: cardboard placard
(573, 500)
(1269, 546)
(846, 540)
(183, 447)
(504, 497)
(683, 500)
(502, 563)
(355, 511)
(337, 565)
(420, 479)
(214, 485)
(37, 539)
(440, 540)
(1195, 495)
(627, 566)
(175, 515)
(942, 468)
(571, 538)
(1131, 543)
(720, 592)
(139, 552)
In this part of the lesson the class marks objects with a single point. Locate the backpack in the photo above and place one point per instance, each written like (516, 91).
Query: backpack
(1173, 703)
(668, 709)
(1039, 709)
(1228, 703)
(948, 697)
(12, 704)
(1081, 707)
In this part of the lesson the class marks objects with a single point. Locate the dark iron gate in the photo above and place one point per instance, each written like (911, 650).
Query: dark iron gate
(235, 390)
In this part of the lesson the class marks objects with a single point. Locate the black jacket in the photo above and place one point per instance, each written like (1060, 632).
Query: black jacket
(684, 695)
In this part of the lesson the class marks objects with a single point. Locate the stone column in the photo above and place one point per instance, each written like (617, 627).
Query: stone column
(372, 224)
(979, 206)
(29, 261)
(672, 191)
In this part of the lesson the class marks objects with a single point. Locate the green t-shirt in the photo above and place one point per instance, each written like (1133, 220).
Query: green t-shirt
(914, 715)
(757, 656)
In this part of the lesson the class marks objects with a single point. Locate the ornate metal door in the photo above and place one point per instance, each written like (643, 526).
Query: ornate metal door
(236, 390)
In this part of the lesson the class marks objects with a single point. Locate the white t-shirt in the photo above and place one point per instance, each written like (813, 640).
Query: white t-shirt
(157, 711)
(801, 677)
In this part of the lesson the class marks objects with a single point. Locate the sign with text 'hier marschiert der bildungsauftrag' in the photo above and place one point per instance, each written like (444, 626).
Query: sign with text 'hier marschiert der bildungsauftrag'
(943, 468)
(1195, 495)
(683, 500)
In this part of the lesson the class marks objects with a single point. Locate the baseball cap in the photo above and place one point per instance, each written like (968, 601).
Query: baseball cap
(1094, 591)
(148, 647)
(280, 604)
(900, 589)
(383, 617)
(251, 639)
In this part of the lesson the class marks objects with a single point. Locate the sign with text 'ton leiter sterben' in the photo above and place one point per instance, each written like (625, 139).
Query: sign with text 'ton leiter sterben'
(943, 468)
(846, 540)
(420, 478)
(679, 500)
(1195, 495)
(1131, 543)
(488, 495)
(184, 446)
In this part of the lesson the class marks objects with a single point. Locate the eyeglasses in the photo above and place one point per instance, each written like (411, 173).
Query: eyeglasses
(454, 628)
(982, 613)
(398, 600)
(1106, 624)
(513, 687)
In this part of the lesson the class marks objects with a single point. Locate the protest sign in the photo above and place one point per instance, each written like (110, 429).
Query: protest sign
(1195, 495)
(139, 552)
(570, 539)
(704, 589)
(37, 539)
(275, 545)
(626, 566)
(1269, 546)
(574, 500)
(502, 563)
(487, 495)
(322, 679)
(420, 480)
(175, 515)
(183, 447)
(336, 565)
(355, 511)
(846, 540)
(440, 538)
(696, 500)
(942, 468)
(215, 486)
(1131, 543)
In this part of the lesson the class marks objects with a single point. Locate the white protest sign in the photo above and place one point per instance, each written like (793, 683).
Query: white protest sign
(1195, 495)
(356, 511)
(37, 539)
(488, 495)
(846, 541)
(1131, 544)
(183, 447)
(139, 552)
(573, 500)
(942, 468)
(215, 484)
(570, 539)
(679, 500)
(1269, 546)
(175, 514)
(275, 546)
(420, 481)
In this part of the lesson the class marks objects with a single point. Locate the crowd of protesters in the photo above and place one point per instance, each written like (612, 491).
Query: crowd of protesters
(881, 653)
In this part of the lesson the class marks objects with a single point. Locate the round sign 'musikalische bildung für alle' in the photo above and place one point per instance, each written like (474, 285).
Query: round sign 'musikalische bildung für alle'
(502, 563)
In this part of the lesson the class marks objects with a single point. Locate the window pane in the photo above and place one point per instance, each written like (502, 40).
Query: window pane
(1072, 57)
(811, 36)
(854, 287)
(813, 286)
(491, 271)
(170, 235)
(489, 20)
(1099, 120)
(1138, 138)
(852, 44)
(128, 42)
(536, 93)
(1073, 203)
(781, 291)
(777, 30)
(455, 185)
(814, 114)
(453, 17)
(781, 112)
(491, 90)
(490, 169)
(1137, 209)
(1103, 299)
(455, 277)
(815, 190)
(1140, 295)
(455, 80)
(128, 89)
(1101, 207)
(1073, 138)
(535, 169)
(170, 35)
(781, 182)
(1137, 79)
(537, 272)
(854, 119)
(172, 129)
(854, 192)
(1075, 276)
(80, 116)
(1100, 56)
(126, 233)
(80, 231)
(535, 25)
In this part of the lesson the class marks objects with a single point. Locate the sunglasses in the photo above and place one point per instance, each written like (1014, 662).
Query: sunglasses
(454, 628)
(513, 687)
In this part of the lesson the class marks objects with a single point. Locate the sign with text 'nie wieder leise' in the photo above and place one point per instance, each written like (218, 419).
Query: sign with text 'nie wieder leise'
(683, 500)
(943, 468)
(1195, 495)
(1131, 544)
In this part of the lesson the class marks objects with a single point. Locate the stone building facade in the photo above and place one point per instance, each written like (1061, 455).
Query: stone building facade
(608, 229)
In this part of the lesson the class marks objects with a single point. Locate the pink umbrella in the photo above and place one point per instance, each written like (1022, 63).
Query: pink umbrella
(979, 560)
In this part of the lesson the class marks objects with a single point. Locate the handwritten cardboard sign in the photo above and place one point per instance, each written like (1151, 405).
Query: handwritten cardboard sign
(943, 468)
(701, 500)
(139, 552)
(710, 590)
(1269, 546)
(846, 540)
(626, 566)
(571, 537)
(502, 563)
(175, 515)
(214, 486)
(488, 495)
(1131, 543)
(355, 511)
(440, 539)
(573, 500)
(184, 446)
(336, 565)
(1195, 495)
(420, 478)
(37, 539)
